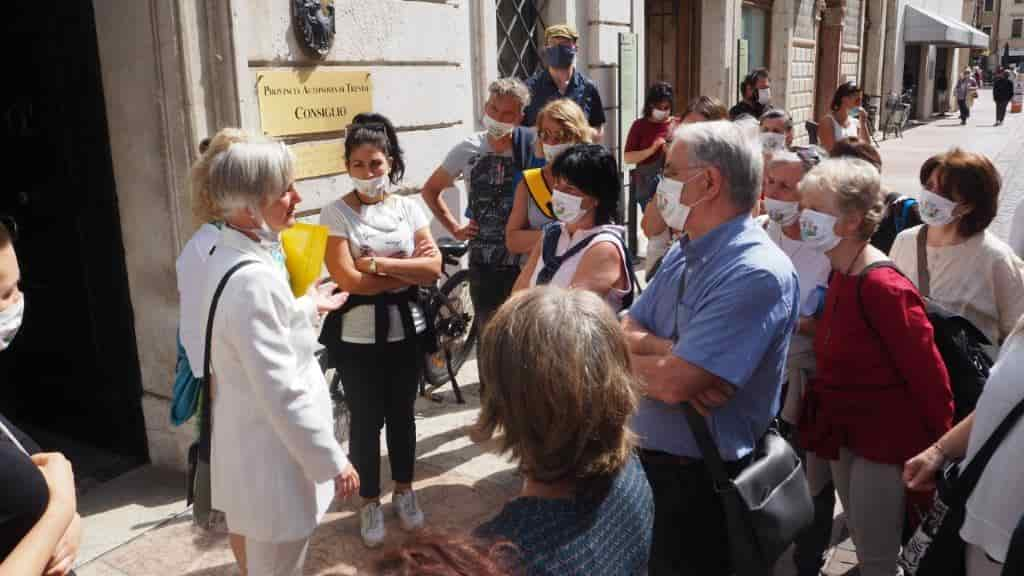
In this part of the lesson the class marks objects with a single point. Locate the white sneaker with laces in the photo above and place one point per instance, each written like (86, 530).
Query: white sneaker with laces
(409, 514)
(371, 524)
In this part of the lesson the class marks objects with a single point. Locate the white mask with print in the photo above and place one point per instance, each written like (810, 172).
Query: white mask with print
(669, 197)
(659, 115)
(551, 151)
(936, 210)
(10, 322)
(764, 95)
(567, 208)
(772, 142)
(496, 129)
(817, 230)
(372, 188)
(781, 212)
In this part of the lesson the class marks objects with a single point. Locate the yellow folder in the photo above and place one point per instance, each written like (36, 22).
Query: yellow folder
(304, 248)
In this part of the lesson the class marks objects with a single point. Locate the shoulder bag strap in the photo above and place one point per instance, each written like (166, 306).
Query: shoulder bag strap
(539, 191)
(204, 416)
(923, 278)
(974, 469)
(551, 261)
(860, 282)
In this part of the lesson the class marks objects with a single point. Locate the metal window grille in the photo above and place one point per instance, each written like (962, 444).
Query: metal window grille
(520, 36)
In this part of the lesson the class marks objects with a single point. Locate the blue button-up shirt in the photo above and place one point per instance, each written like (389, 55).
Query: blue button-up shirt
(735, 319)
(580, 90)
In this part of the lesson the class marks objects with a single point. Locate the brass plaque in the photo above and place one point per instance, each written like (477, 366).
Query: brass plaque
(311, 100)
(315, 159)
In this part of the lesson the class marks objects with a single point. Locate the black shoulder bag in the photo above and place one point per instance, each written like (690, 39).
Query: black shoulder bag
(198, 490)
(767, 504)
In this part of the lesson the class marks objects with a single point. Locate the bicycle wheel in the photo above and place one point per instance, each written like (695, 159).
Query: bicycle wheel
(454, 320)
(339, 405)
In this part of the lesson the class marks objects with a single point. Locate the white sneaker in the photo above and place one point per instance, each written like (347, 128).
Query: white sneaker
(409, 514)
(371, 524)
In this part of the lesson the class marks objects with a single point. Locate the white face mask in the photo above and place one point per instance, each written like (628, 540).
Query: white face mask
(567, 208)
(764, 95)
(784, 213)
(551, 151)
(772, 142)
(669, 197)
(373, 188)
(10, 322)
(659, 115)
(817, 229)
(495, 129)
(936, 210)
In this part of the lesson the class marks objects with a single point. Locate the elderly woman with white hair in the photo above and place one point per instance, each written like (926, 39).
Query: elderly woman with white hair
(275, 464)
(881, 393)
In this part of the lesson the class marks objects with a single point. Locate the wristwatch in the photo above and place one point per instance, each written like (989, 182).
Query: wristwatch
(373, 265)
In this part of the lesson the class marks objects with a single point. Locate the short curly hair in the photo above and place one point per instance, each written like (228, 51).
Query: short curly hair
(513, 87)
(856, 187)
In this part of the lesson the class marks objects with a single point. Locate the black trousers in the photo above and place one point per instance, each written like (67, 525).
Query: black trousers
(690, 532)
(489, 287)
(813, 542)
(381, 382)
(1001, 110)
(965, 110)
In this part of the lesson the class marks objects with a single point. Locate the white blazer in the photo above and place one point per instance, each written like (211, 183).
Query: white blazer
(273, 453)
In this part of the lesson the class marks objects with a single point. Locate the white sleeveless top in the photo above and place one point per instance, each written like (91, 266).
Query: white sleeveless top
(563, 277)
(851, 130)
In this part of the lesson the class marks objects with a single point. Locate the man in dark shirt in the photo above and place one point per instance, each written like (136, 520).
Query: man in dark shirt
(757, 95)
(560, 79)
(1002, 92)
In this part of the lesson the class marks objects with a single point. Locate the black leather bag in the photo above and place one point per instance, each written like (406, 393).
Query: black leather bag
(766, 505)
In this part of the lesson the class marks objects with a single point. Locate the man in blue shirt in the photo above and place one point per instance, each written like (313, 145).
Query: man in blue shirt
(712, 329)
(560, 79)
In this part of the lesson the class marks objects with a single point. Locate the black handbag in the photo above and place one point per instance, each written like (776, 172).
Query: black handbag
(767, 505)
(936, 548)
(197, 478)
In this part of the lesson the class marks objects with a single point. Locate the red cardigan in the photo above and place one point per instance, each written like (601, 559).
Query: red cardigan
(882, 393)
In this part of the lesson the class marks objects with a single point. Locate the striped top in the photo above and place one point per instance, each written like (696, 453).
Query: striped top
(611, 537)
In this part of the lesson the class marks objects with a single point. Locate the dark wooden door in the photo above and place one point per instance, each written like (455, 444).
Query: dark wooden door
(73, 372)
(672, 46)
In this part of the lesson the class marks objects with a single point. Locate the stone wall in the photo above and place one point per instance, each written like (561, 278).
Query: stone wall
(801, 85)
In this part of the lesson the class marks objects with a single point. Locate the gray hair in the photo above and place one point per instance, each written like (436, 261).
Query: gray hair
(513, 87)
(777, 114)
(248, 174)
(732, 151)
(806, 156)
(856, 186)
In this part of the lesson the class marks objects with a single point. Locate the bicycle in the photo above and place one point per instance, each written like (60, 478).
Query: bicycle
(447, 306)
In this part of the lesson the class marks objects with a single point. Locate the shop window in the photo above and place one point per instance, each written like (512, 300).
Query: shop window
(520, 36)
(756, 22)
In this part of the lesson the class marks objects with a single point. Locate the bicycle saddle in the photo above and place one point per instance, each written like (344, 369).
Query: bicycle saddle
(452, 247)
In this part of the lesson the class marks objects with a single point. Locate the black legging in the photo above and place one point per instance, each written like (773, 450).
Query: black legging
(381, 382)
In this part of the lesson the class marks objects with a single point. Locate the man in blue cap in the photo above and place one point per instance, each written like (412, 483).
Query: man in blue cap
(560, 79)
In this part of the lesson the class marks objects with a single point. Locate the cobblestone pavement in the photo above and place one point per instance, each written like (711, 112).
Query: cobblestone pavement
(460, 484)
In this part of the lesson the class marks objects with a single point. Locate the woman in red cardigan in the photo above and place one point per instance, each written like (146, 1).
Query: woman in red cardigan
(881, 393)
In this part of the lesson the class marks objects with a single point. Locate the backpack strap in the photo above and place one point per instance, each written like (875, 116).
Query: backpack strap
(539, 191)
(904, 214)
(205, 429)
(860, 282)
(971, 473)
(923, 278)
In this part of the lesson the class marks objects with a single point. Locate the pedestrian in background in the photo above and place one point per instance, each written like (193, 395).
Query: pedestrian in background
(712, 329)
(971, 272)
(756, 95)
(490, 162)
(647, 141)
(40, 529)
(275, 464)
(380, 250)
(776, 130)
(783, 173)
(559, 386)
(881, 393)
(560, 125)
(660, 222)
(559, 78)
(844, 120)
(966, 88)
(1002, 93)
(585, 248)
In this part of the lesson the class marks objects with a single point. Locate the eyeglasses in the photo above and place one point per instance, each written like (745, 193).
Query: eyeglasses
(11, 224)
(559, 136)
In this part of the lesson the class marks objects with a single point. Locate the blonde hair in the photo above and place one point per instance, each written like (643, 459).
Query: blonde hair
(203, 208)
(557, 380)
(570, 117)
(856, 186)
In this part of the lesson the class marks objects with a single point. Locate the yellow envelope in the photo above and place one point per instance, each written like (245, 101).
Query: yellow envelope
(304, 248)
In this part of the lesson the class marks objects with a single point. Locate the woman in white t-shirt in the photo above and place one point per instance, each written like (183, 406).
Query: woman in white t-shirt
(379, 250)
(847, 118)
(584, 249)
(971, 272)
(996, 505)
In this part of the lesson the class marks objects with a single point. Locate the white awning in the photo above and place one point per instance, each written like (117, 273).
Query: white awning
(922, 26)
